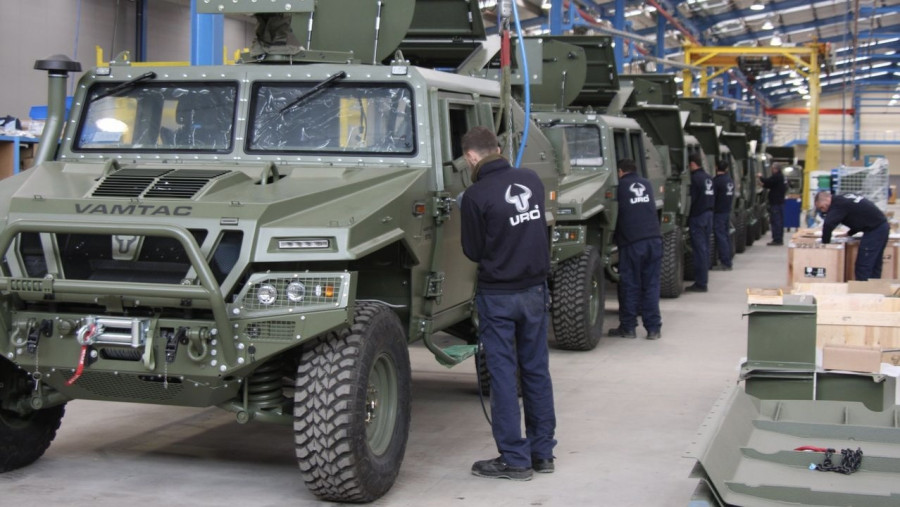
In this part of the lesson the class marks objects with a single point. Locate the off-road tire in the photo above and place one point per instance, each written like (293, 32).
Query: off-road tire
(740, 233)
(688, 264)
(671, 275)
(23, 438)
(751, 232)
(345, 379)
(579, 296)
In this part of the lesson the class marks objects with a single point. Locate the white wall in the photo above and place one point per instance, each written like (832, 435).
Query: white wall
(35, 29)
(875, 123)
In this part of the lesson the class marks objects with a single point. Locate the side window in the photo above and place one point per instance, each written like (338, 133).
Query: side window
(620, 144)
(458, 125)
(637, 152)
(584, 146)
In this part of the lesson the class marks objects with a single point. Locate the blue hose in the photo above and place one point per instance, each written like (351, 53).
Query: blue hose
(525, 72)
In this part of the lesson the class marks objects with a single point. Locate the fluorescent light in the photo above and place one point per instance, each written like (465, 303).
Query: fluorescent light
(757, 5)
(768, 25)
(776, 40)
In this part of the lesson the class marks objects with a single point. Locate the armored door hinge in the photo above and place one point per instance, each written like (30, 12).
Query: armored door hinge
(434, 285)
(442, 206)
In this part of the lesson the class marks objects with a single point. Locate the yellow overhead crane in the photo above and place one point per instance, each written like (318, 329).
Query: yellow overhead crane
(804, 59)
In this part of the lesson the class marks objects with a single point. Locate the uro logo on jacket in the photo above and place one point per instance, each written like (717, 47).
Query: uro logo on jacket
(520, 201)
(730, 187)
(639, 191)
(709, 187)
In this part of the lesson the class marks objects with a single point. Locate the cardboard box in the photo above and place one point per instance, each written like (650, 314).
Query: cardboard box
(815, 262)
(889, 260)
(849, 358)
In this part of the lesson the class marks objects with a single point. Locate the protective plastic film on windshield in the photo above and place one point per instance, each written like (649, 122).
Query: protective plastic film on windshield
(585, 148)
(339, 119)
(172, 117)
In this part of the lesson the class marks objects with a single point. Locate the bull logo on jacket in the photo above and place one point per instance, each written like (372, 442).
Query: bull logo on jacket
(520, 201)
(639, 191)
(730, 190)
(709, 187)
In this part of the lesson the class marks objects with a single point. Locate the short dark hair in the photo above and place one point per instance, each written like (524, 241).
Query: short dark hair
(481, 140)
(821, 196)
(722, 166)
(695, 159)
(776, 168)
(626, 165)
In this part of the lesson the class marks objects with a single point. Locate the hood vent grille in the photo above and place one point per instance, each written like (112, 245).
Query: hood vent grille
(155, 183)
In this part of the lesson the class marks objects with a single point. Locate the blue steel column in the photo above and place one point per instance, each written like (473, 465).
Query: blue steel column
(660, 42)
(556, 16)
(619, 24)
(857, 119)
(207, 37)
(140, 21)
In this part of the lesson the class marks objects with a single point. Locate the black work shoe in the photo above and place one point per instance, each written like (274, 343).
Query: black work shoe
(775, 243)
(497, 469)
(721, 267)
(543, 465)
(622, 333)
(695, 288)
(653, 335)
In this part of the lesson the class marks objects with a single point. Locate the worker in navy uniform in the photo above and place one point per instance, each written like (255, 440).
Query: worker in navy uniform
(700, 222)
(640, 246)
(723, 186)
(777, 188)
(860, 215)
(505, 232)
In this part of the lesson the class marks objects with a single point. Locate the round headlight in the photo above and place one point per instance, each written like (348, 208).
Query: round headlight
(266, 294)
(296, 291)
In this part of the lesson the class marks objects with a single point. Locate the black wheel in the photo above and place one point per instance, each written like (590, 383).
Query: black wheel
(23, 437)
(750, 235)
(713, 253)
(579, 296)
(352, 408)
(671, 277)
(740, 233)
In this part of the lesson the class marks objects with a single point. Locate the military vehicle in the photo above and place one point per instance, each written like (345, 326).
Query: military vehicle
(266, 238)
(744, 178)
(759, 214)
(701, 124)
(653, 103)
(581, 70)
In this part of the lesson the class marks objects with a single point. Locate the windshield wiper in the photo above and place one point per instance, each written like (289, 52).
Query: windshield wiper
(124, 86)
(314, 90)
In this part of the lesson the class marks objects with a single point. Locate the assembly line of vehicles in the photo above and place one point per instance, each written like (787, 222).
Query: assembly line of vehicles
(269, 237)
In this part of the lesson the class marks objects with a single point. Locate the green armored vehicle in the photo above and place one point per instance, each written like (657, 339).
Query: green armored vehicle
(759, 214)
(653, 103)
(589, 143)
(266, 238)
(738, 144)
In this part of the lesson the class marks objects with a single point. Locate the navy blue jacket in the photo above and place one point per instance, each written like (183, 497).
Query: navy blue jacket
(776, 186)
(637, 217)
(703, 196)
(504, 229)
(854, 211)
(723, 185)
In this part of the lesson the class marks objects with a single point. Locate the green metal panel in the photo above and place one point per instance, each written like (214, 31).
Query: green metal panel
(783, 336)
(443, 33)
(652, 88)
(561, 69)
(254, 6)
(350, 25)
(701, 109)
(663, 125)
(602, 81)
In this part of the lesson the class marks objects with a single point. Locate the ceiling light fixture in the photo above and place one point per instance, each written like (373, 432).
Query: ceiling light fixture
(757, 5)
(768, 25)
(776, 40)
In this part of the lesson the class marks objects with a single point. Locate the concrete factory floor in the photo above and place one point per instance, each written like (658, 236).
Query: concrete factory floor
(627, 411)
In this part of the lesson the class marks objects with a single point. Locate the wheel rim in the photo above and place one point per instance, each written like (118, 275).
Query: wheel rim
(381, 404)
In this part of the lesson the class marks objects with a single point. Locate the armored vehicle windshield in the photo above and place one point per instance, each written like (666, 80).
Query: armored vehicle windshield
(347, 118)
(159, 117)
(585, 147)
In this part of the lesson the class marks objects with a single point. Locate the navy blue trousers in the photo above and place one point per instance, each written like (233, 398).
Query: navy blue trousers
(776, 219)
(639, 267)
(701, 228)
(513, 330)
(723, 239)
(871, 253)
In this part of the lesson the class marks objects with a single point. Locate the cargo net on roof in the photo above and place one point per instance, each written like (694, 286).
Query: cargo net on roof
(870, 182)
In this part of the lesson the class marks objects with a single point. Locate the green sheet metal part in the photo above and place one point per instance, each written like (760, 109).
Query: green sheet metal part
(746, 453)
